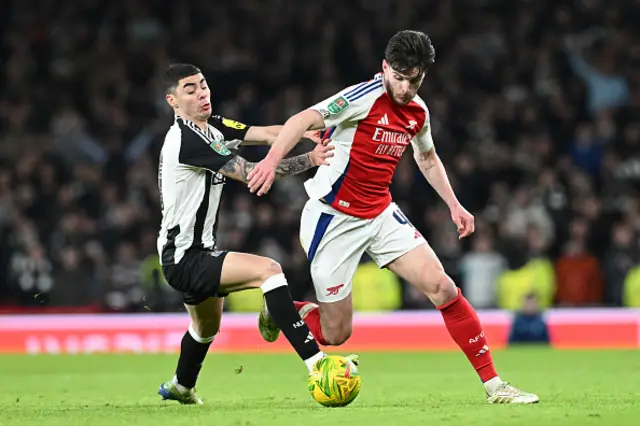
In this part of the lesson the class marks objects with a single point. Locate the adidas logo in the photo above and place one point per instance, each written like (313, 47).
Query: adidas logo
(384, 120)
(310, 338)
(483, 351)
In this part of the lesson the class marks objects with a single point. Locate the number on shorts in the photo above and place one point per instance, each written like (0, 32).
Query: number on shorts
(400, 217)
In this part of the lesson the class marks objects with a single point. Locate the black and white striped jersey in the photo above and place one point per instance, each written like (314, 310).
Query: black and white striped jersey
(190, 185)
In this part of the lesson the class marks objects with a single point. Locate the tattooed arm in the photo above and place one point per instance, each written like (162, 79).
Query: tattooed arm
(238, 168)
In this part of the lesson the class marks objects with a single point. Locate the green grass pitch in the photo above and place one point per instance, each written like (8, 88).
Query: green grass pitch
(576, 388)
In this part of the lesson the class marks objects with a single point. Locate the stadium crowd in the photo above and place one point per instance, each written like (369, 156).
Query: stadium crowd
(534, 110)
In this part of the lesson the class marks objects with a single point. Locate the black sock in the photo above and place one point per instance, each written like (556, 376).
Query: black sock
(192, 354)
(286, 316)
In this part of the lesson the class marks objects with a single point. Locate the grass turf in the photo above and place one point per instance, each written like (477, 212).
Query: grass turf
(576, 388)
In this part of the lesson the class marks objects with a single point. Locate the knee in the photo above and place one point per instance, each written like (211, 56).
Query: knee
(269, 269)
(204, 328)
(437, 286)
(336, 333)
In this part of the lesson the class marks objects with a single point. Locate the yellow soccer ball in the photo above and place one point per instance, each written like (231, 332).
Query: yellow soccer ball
(334, 381)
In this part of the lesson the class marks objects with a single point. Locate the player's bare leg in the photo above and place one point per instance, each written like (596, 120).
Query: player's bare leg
(336, 320)
(330, 323)
(423, 269)
(240, 271)
(205, 324)
(243, 271)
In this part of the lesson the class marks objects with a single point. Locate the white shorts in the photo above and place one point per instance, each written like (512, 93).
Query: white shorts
(334, 243)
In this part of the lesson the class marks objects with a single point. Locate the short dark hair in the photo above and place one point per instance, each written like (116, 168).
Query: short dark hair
(410, 49)
(177, 72)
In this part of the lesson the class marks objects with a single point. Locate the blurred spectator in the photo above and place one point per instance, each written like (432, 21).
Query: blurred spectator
(606, 87)
(480, 269)
(31, 274)
(620, 259)
(631, 295)
(523, 212)
(580, 280)
(124, 292)
(588, 149)
(529, 325)
(74, 284)
(535, 275)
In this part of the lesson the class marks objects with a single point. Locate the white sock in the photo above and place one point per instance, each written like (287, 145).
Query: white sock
(197, 337)
(310, 362)
(492, 385)
(178, 386)
(273, 282)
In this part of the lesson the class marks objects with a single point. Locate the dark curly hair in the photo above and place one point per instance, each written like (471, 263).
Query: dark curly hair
(408, 50)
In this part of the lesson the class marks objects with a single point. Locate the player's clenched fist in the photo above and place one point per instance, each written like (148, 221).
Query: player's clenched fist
(463, 220)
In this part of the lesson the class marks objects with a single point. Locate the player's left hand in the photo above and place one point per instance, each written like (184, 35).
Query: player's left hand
(463, 220)
(321, 153)
(314, 135)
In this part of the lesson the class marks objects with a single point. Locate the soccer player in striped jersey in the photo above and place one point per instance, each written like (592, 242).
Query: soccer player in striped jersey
(196, 157)
(351, 211)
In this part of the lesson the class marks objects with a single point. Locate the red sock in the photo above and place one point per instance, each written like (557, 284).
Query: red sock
(464, 327)
(312, 319)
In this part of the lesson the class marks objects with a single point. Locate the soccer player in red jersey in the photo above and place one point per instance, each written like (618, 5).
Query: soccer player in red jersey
(350, 210)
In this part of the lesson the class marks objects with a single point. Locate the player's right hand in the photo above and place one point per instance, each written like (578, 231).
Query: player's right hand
(463, 220)
(262, 176)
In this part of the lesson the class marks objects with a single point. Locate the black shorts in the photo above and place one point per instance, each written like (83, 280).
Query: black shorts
(197, 275)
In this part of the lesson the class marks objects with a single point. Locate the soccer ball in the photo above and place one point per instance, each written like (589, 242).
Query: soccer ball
(334, 381)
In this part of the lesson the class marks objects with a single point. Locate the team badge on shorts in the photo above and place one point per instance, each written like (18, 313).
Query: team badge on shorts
(337, 105)
(333, 291)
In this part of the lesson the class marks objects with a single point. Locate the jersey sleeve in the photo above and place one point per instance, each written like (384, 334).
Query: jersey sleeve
(195, 151)
(348, 105)
(423, 141)
(231, 130)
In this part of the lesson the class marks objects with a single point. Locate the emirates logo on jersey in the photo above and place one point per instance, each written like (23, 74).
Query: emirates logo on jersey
(386, 136)
(391, 143)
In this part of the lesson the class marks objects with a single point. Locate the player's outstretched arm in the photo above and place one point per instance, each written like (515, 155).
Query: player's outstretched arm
(233, 130)
(266, 135)
(290, 134)
(433, 170)
(293, 130)
(239, 168)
